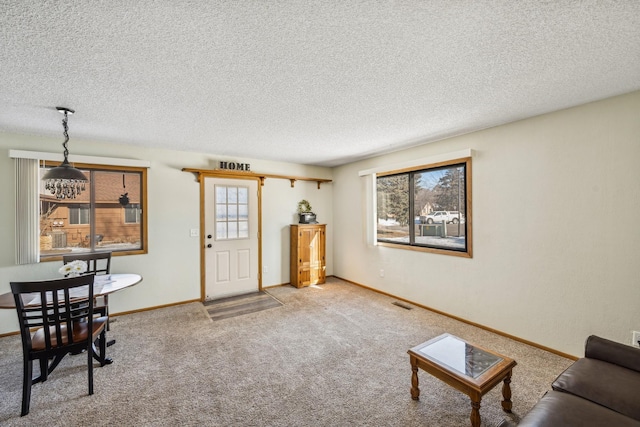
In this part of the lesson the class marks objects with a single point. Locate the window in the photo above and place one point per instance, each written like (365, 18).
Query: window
(109, 215)
(132, 213)
(78, 215)
(427, 208)
(232, 212)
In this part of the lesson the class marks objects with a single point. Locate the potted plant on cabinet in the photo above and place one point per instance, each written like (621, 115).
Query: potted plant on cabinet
(305, 214)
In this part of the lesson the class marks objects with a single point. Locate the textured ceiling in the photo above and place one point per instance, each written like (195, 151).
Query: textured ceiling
(322, 82)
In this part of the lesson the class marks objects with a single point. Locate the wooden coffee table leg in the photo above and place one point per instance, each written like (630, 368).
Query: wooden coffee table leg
(506, 393)
(475, 413)
(415, 390)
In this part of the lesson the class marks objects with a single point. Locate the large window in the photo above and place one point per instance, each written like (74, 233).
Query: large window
(427, 208)
(109, 215)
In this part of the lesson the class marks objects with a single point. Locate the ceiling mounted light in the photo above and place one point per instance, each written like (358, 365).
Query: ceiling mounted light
(65, 181)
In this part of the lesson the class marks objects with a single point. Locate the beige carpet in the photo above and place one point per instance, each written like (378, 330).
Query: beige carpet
(332, 355)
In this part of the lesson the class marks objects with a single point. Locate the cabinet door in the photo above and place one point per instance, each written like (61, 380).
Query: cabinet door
(305, 277)
(316, 275)
(307, 253)
(316, 256)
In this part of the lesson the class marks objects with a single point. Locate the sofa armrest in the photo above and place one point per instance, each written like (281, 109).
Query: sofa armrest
(612, 352)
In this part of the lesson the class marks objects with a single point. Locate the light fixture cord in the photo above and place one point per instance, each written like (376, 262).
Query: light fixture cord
(66, 137)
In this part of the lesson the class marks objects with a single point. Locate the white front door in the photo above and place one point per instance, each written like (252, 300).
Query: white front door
(231, 237)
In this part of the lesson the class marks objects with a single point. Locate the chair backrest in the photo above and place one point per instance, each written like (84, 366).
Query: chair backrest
(97, 262)
(61, 308)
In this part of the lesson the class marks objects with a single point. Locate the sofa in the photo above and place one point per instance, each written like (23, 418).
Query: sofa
(601, 389)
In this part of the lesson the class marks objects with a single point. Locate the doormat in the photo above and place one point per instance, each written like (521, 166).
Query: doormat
(241, 304)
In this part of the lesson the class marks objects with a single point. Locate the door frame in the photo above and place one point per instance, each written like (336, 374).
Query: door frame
(226, 175)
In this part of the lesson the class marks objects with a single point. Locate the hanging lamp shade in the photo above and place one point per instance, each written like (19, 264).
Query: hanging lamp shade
(65, 181)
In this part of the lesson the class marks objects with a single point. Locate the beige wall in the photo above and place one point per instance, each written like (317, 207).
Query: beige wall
(171, 269)
(556, 202)
(556, 237)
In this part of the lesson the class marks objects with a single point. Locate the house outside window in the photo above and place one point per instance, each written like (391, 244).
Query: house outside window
(427, 208)
(94, 221)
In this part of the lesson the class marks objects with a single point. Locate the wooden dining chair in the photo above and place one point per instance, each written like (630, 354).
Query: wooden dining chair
(97, 263)
(57, 318)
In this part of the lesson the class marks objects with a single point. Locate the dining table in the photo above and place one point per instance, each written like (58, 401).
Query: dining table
(103, 285)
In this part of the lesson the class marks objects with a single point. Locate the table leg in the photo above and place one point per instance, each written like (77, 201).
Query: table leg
(99, 355)
(415, 390)
(475, 413)
(506, 393)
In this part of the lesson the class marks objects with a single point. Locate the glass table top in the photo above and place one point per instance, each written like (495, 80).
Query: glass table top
(460, 356)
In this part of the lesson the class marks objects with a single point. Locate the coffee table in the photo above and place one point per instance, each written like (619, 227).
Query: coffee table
(466, 367)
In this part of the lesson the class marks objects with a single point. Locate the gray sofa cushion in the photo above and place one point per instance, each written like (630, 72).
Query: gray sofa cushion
(557, 409)
(604, 383)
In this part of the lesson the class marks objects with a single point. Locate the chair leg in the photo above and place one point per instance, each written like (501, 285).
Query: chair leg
(26, 386)
(44, 370)
(90, 368)
(56, 361)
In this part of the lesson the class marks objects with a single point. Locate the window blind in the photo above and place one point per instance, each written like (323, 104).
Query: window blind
(27, 211)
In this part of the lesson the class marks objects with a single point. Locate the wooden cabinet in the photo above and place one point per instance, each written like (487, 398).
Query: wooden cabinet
(307, 254)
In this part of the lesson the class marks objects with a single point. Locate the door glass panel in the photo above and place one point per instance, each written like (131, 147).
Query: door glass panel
(232, 194)
(243, 229)
(243, 195)
(221, 230)
(243, 212)
(221, 212)
(232, 212)
(221, 194)
(232, 230)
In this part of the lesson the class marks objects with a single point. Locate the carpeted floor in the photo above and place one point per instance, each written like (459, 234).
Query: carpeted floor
(331, 355)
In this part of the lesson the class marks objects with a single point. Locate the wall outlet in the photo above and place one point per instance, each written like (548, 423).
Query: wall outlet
(381, 273)
(265, 269)
(635, 337)
(194, 232)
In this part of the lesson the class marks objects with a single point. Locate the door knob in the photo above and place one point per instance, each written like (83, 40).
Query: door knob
(209, 245)
(208, 236)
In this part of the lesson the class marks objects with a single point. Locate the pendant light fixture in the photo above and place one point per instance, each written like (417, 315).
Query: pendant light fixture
(65, 181)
